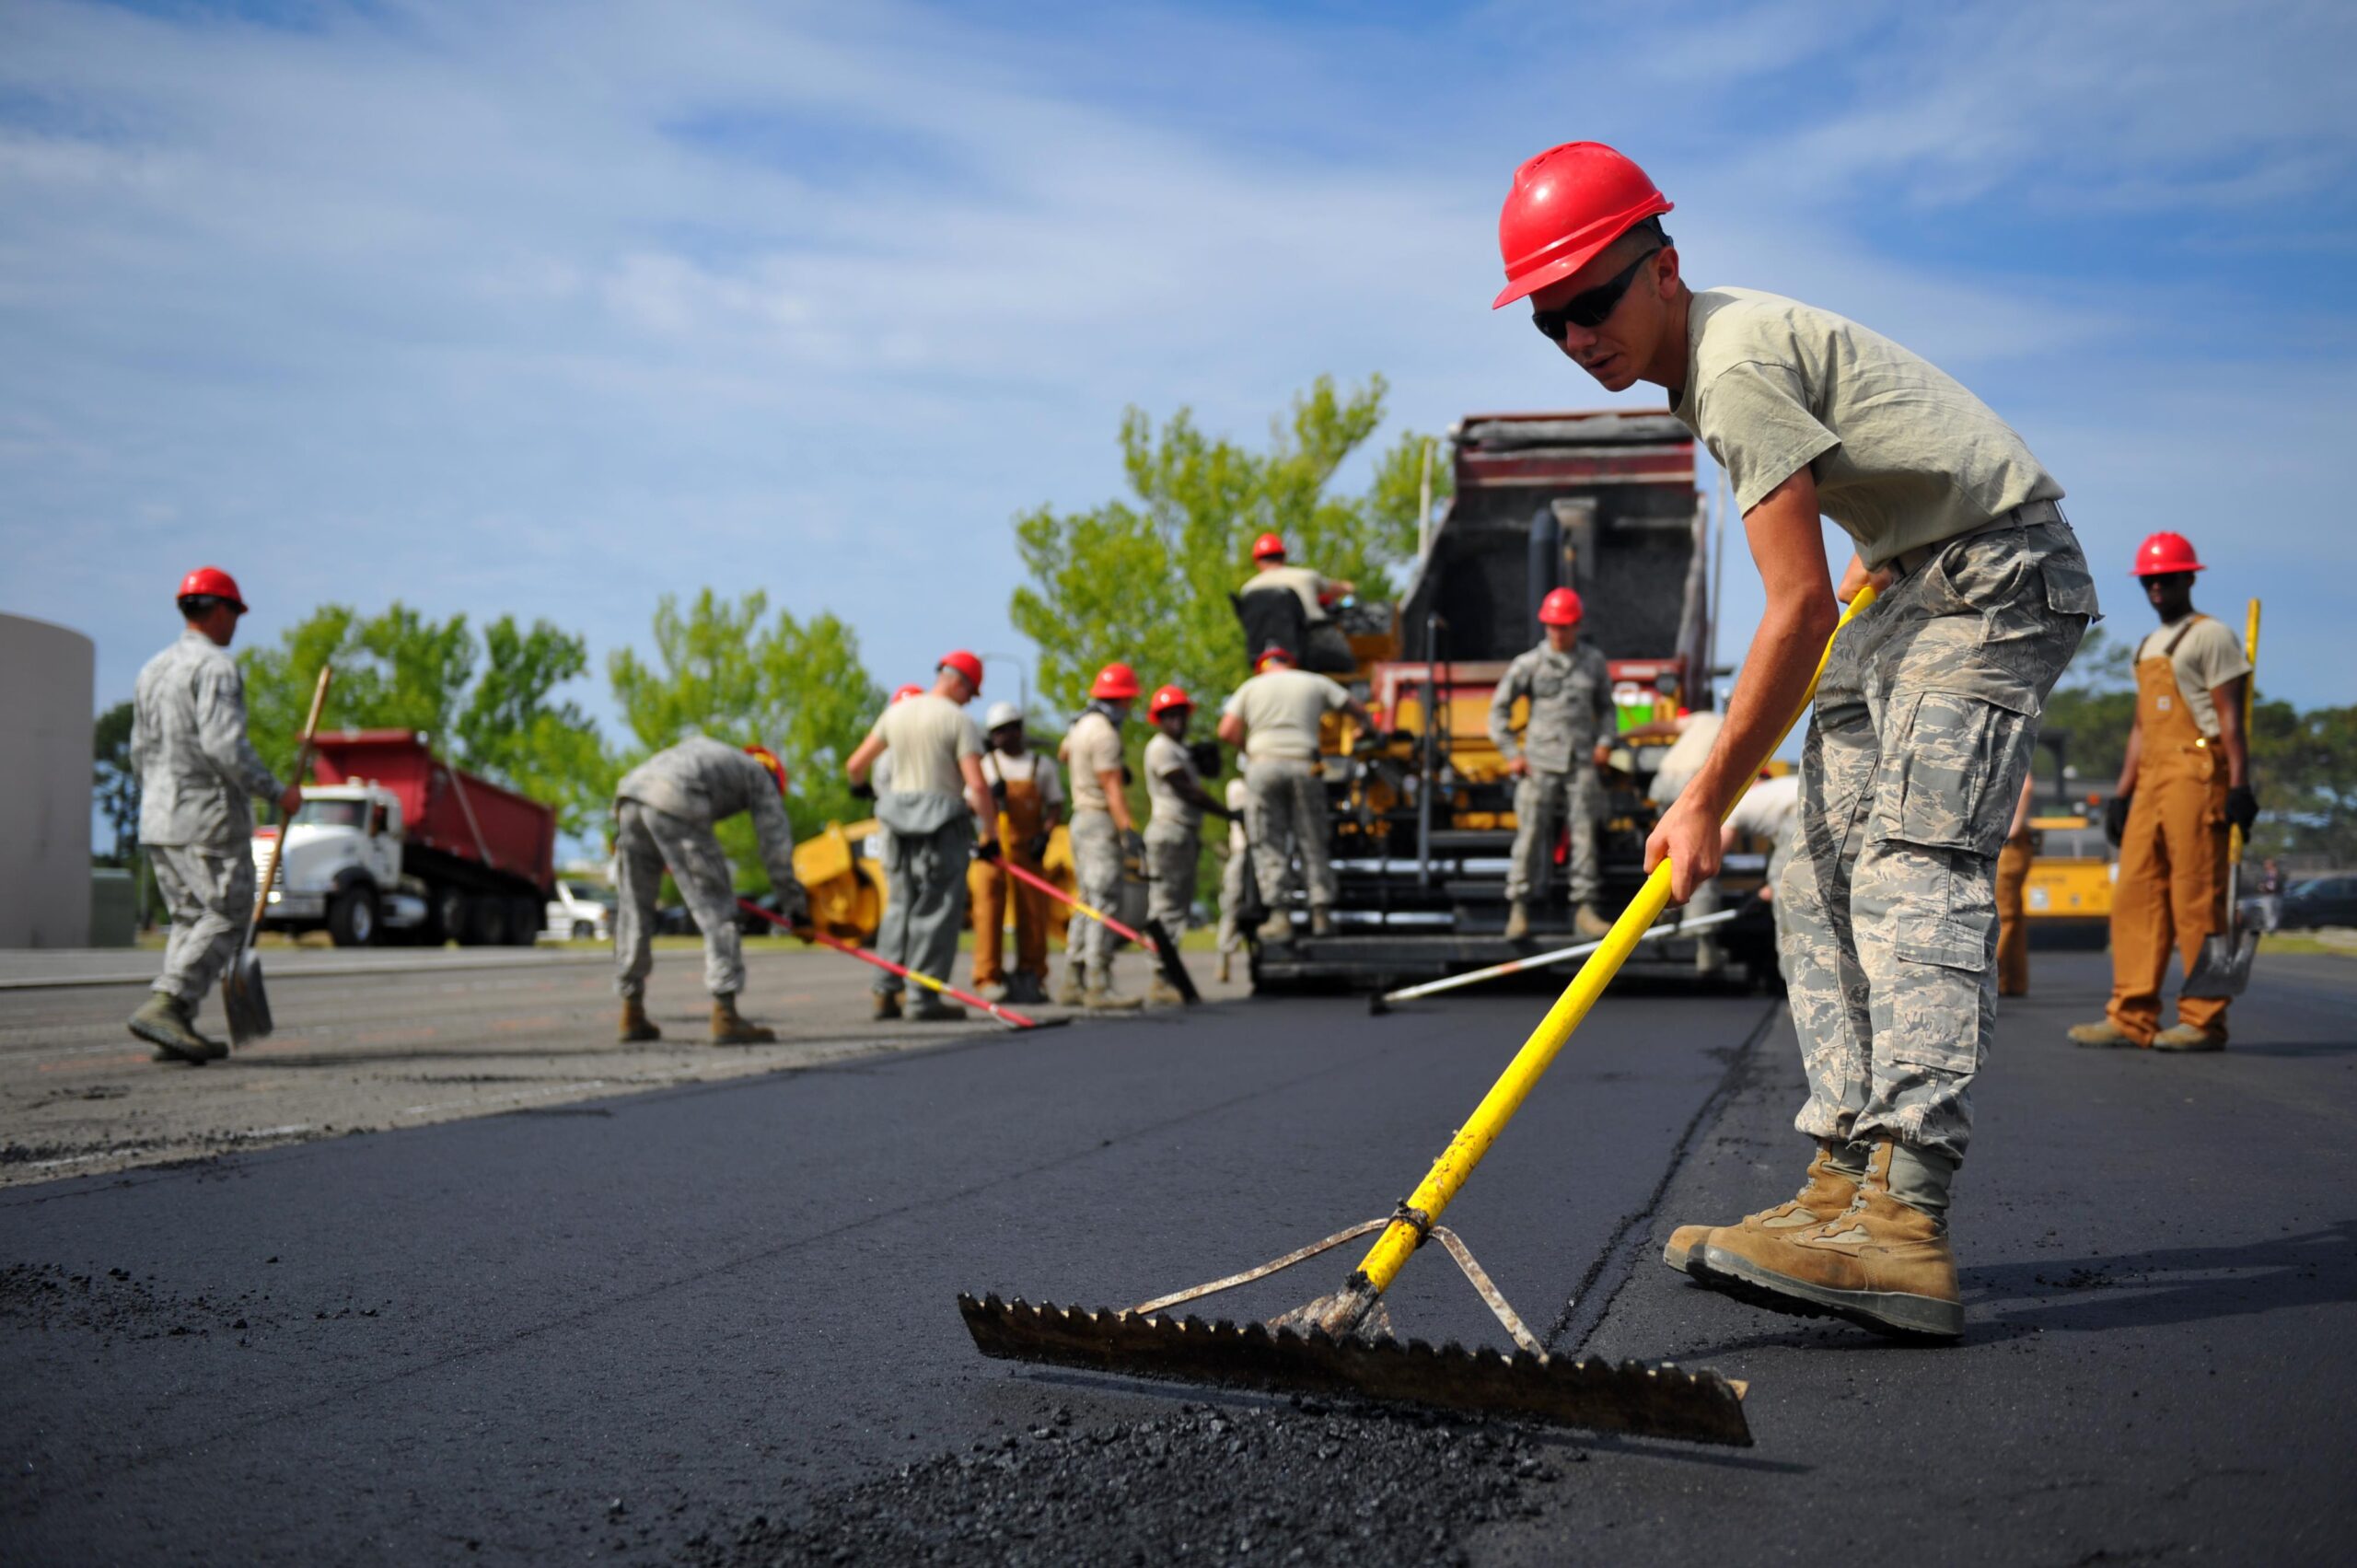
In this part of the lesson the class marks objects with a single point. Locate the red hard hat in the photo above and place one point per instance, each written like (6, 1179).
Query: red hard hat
(1115, 684)
(1267, 546)
(905, 692)
(964, 664)
(1559, 607)
(768, 758)
(1567, 205)
(1169, 697)
(2164, 553)
(214, 583)
(1271, 655)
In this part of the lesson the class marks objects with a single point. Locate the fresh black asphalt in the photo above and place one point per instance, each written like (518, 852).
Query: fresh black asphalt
(627, 1330)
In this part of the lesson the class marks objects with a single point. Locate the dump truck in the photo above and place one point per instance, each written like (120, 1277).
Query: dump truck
(1604, 503)
(392, 844)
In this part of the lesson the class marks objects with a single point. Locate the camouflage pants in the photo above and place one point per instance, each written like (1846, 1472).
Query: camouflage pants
(1924, 726)
(210, 892)
(645, 841)
(1096, 869)
(1287, 811)
(1544, 800)
(1231, 899)
(1170, 856)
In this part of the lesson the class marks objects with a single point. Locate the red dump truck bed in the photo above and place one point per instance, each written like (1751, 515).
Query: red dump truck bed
(444, 808)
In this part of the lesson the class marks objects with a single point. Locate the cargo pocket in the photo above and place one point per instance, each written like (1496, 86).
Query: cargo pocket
(1935, 992)
(2069, 588)
(1941, 770)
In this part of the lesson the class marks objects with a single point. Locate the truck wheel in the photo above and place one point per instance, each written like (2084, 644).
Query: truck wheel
(448, 922)
(584, 931)
(487, 921)
(351, 918)
(524, 918)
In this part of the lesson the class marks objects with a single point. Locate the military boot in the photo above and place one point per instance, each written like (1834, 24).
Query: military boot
(932, 1007)
(2186, 1036)
(1160, 993)
(1883, 1263)
(996, 991)
(888, 1006)
(1321, 921)
(636, 1026)
(1068, 992)
(2102, 1035)
(1826, 1193)
(164, 1023)
(1588, 923)
(1518, 920)
(1220, 970)
(730, 1027)
(1100, 996)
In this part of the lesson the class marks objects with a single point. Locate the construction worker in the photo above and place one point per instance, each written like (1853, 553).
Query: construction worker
(2185, 782)
(1277, 712)
(1104, 839)
(1031, 799)
(1232, 875)
(1568, 691)
(664, 813)
(936, 808)
(197, 773)
(1174, 842)
(1324, 648)
(879, 776)
(1924, 718)
(2012, 885)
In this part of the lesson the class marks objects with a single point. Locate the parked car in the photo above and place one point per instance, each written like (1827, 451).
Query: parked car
(2321, 901)
(579, 913)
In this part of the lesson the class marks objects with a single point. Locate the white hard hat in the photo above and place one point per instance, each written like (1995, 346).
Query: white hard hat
(1002, 713)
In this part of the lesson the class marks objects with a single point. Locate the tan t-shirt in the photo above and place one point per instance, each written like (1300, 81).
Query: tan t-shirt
(1164, 756)
(1092, 747)
(2209, 656)
(925, 737)
(1281, 709)
(1902, 454)
(1300, 581)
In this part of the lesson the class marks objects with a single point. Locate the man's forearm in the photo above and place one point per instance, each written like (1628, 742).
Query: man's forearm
(2130, 760)
(2232, 740)
(1117, 798)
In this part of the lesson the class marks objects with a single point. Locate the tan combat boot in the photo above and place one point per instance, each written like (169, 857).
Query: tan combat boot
(1220, 972)
(1884, 1264)
(1826, 1193)
(1321, 921)
(1588, 923)
(636, 1026)
(2186, 1037)
(888, 1006)
(165, 1022)
(2103, 1034)
(1160, 993)
(730, 1028)
(1100, 996)
(1518, 920)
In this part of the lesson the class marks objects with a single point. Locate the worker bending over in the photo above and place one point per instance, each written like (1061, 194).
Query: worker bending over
(1570, 694)
(197, 773)
(1324, 648)
(1031, 800)
(2185, 782)
(1103, 836)
(1173, 833)
(1278, 713)
(936, 805)
(664, 813)
(1924, 722)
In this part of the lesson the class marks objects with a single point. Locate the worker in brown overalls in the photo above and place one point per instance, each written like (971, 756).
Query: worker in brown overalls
(2185, 782)
(1031, 800)
(2013, 883)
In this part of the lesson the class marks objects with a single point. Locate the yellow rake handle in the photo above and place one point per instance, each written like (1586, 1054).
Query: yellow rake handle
(1424, 1207)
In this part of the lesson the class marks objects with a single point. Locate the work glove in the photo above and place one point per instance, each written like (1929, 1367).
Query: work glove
(2241, 807)
(863, 791)
(794, 904)
(1206, 754)
(1133, 852)
(1034, 848)
(2115, 818)
(987, 850)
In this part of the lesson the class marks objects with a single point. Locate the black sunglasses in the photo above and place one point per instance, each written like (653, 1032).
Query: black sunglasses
(1589, 308)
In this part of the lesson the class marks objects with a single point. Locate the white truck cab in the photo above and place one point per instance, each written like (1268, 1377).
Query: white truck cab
(341, 868)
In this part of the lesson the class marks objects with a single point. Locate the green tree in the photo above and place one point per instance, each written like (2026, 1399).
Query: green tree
(731, 670)
(116, 784)
(2091, 710)
(1146, 578)
(402, 671)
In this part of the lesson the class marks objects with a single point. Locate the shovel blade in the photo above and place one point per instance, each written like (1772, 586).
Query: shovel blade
(1645, 1399)
(244, 1000)
(1174, 969)
(2223, 971)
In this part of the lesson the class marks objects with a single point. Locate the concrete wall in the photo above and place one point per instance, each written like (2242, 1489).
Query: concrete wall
(48, 681)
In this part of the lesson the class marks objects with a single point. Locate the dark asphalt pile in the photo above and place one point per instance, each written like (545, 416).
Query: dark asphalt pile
(1306, 1483)
(115, 1304)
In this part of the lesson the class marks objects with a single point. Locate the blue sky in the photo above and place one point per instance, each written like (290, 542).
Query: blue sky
(552, 309)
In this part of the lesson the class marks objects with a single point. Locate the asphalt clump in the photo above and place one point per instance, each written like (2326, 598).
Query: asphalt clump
(1303, 1484)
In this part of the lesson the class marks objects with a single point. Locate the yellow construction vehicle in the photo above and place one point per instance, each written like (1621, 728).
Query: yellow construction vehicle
(839, 868)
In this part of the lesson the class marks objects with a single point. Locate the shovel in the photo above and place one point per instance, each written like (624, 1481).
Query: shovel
(2221, 971)
(1342, 1343)
(1007, 1016)
(243, 1000)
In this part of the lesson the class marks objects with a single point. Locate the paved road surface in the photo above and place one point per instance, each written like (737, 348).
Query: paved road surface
(603, 1329)
(388, 1038)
